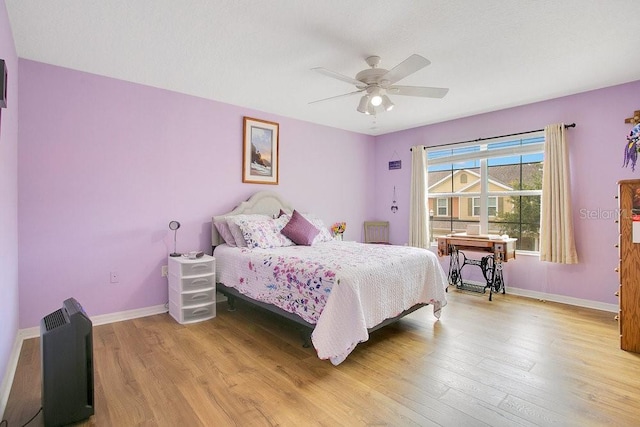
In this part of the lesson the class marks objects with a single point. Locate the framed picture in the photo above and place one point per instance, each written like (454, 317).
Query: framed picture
(260, 148)
(3, 84)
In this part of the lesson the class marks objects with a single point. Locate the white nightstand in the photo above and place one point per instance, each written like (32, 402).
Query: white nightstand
(192, 288)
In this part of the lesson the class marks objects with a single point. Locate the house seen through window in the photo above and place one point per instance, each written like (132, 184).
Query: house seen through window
(495, 183)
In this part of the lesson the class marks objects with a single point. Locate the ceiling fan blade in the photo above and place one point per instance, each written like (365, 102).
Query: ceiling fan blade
(426, 92)
(337, 96)
(339, 76)
(406, 67)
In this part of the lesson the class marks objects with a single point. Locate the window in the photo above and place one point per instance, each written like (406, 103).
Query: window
(443, 206)
(501, 190)
(492, 206)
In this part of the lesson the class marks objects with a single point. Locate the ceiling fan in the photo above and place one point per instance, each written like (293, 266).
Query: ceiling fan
(376, 83)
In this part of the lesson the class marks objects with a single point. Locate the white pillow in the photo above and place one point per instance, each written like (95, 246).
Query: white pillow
(234, 227)
(324, 235)
(263, 233)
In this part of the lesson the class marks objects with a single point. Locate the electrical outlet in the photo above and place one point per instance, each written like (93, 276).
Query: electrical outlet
(164, 271)
(115, 277)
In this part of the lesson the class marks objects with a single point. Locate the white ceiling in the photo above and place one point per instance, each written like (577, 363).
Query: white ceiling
(492, 54)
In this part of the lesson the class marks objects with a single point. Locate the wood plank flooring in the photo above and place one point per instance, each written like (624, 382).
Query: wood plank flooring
(510, 362)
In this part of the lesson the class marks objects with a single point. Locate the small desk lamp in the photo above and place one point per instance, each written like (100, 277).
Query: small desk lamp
(174, 225)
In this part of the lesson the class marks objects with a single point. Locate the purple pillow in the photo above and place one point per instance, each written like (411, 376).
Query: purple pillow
(299, 230)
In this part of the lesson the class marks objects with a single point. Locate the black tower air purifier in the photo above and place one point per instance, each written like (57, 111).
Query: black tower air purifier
(66, 351)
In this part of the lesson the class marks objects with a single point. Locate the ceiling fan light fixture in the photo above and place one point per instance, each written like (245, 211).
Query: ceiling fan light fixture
(364, 101)
(376, 98)
(373, 84)
(386, 103)
(371, 110)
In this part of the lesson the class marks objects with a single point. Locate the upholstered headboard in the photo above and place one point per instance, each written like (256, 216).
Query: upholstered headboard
(262, 202)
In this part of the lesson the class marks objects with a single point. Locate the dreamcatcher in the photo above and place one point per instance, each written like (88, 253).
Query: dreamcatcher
(394, 206)
(631, 149)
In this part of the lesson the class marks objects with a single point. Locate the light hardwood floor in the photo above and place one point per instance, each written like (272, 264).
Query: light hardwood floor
(513, 361)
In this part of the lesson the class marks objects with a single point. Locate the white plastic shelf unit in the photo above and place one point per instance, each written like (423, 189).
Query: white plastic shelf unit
(192, 288)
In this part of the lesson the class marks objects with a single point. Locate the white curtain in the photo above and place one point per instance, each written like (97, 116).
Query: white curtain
(557, 243)
(419, 208)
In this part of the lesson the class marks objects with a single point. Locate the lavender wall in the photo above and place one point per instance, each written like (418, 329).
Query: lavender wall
(596, 149)
(105, 165)
(8, 199)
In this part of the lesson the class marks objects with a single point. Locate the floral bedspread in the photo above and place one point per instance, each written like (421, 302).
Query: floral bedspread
(343, 288)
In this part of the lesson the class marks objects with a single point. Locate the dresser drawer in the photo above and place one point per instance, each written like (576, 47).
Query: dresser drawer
(184, 267)
(191, 283)
(189, 299)
(192, 314)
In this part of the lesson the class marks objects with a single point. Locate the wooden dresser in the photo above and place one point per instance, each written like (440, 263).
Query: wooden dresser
(629, 268)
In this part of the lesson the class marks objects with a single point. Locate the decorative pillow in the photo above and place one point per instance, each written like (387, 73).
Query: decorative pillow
(324, 235)
(280, 223)
(263, 234)
(224, 231)
(236, 232)
(299, 230)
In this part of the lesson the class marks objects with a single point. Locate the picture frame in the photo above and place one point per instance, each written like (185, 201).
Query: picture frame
(3, 83)
(260, 151)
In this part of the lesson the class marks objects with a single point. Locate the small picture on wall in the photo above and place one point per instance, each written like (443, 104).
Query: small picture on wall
(3, 84)
(260, 151)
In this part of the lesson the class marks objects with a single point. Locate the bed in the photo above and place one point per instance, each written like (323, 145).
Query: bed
(339, 291)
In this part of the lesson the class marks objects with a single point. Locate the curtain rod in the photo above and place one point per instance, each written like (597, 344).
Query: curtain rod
(572, 125)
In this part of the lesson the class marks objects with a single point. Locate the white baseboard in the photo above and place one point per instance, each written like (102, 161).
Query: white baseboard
(563, 299)
(7, 380)
(104, 319)
(131, 314)
(27, 333)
